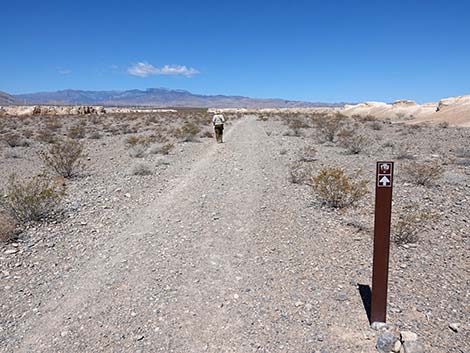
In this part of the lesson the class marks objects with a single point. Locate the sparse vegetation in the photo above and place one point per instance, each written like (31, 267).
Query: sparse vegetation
(64, 158)
(7, 228)
(410, 223)
(356, 143)
(328, 127)
(33, 199)
(187, 132)
(141, 169)
(424, 173)
(300, 172)
(338, 190)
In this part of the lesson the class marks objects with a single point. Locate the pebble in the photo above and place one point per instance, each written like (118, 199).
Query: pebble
(385, 342)
(407, 336)
(377, 326)
(11, 251)
(454, 326)
(396, 347)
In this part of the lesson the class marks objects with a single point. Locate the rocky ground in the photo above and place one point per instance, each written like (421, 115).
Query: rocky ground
(217, 250)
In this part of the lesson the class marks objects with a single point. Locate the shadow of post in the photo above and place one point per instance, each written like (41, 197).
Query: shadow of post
(366, 295)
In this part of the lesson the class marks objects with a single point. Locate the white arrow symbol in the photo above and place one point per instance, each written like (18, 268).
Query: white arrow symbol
(384, 181)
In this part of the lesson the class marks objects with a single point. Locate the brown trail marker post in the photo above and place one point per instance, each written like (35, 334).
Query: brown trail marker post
(383, 215)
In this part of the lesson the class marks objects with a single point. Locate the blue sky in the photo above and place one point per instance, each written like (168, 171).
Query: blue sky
(326, 51)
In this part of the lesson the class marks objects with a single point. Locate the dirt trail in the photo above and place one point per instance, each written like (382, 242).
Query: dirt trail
(216, 264)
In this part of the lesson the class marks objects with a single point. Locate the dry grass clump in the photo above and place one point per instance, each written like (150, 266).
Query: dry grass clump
(141, 169)
(296, 125)
(336, 189)
(402, 151)
(7, 228)
(187, 132)
(376, 125)
(33, 199)
(137, 151)
(308, 154)
(14, 139)
(46, 136)
(76, 132)
(411, 222)
(424, 173)
(135, 140)
(207, 134)
(64, 158)
(356, 143)
(328, 127)
(161, 149)
(300, 172)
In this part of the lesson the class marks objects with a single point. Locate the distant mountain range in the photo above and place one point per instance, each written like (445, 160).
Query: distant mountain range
(152, 97)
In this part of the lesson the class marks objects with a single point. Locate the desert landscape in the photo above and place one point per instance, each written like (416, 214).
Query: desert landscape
(129, 229)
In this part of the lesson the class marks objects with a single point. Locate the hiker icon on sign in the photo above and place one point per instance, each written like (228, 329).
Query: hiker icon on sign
(385, 168)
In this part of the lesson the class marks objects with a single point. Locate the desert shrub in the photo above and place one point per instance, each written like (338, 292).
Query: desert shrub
(262, 118)
(296, 125)
(141, 169)
(424, 173)
(338, 190)
(64, 157)
(13, 139)
(444, 125)
(376, 125)
(187, 132)
(7, 228)
(207, 134)
(76, 132)
(95, 135)
(308, 154)
(165, 149)
(328, 127)
(410, 223)
(300, 172)
(356, 143)
(53, 124)
(46, 136)
(137, 151)
(33, 199)
(135, 140)
(402, 151)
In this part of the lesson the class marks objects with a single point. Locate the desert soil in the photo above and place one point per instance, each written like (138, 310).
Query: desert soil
(218, 251)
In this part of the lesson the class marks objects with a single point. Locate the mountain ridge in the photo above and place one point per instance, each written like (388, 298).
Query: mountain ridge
(158, 97)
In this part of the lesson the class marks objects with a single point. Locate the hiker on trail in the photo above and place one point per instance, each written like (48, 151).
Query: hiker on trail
(218, 122)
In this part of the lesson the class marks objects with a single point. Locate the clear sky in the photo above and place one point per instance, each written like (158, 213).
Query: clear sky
(326, 51)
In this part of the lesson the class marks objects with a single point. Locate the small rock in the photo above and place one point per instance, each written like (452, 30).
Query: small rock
(454, 326)
(11, 251)
(139, 337)
(341, 297)
(298, 303)
(396, 347)
(377, 326)
(385, 342)
(413, 347)
(408, 336)
(127, 195)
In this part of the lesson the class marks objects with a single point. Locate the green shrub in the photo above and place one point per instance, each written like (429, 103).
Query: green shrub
(64, 157)
(336, 189)
(33, 199)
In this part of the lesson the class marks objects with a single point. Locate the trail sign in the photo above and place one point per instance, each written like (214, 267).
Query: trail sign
(383, 215)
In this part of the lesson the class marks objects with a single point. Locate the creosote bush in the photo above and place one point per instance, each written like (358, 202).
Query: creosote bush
(328, 127)
(424, 173)
(33, 199)
(411, 222)
(64, 157)
(336, 189)
(308, 154)
(187, 132)
(7, 228)
(300, 172)
(141, 169)
(356, 143)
